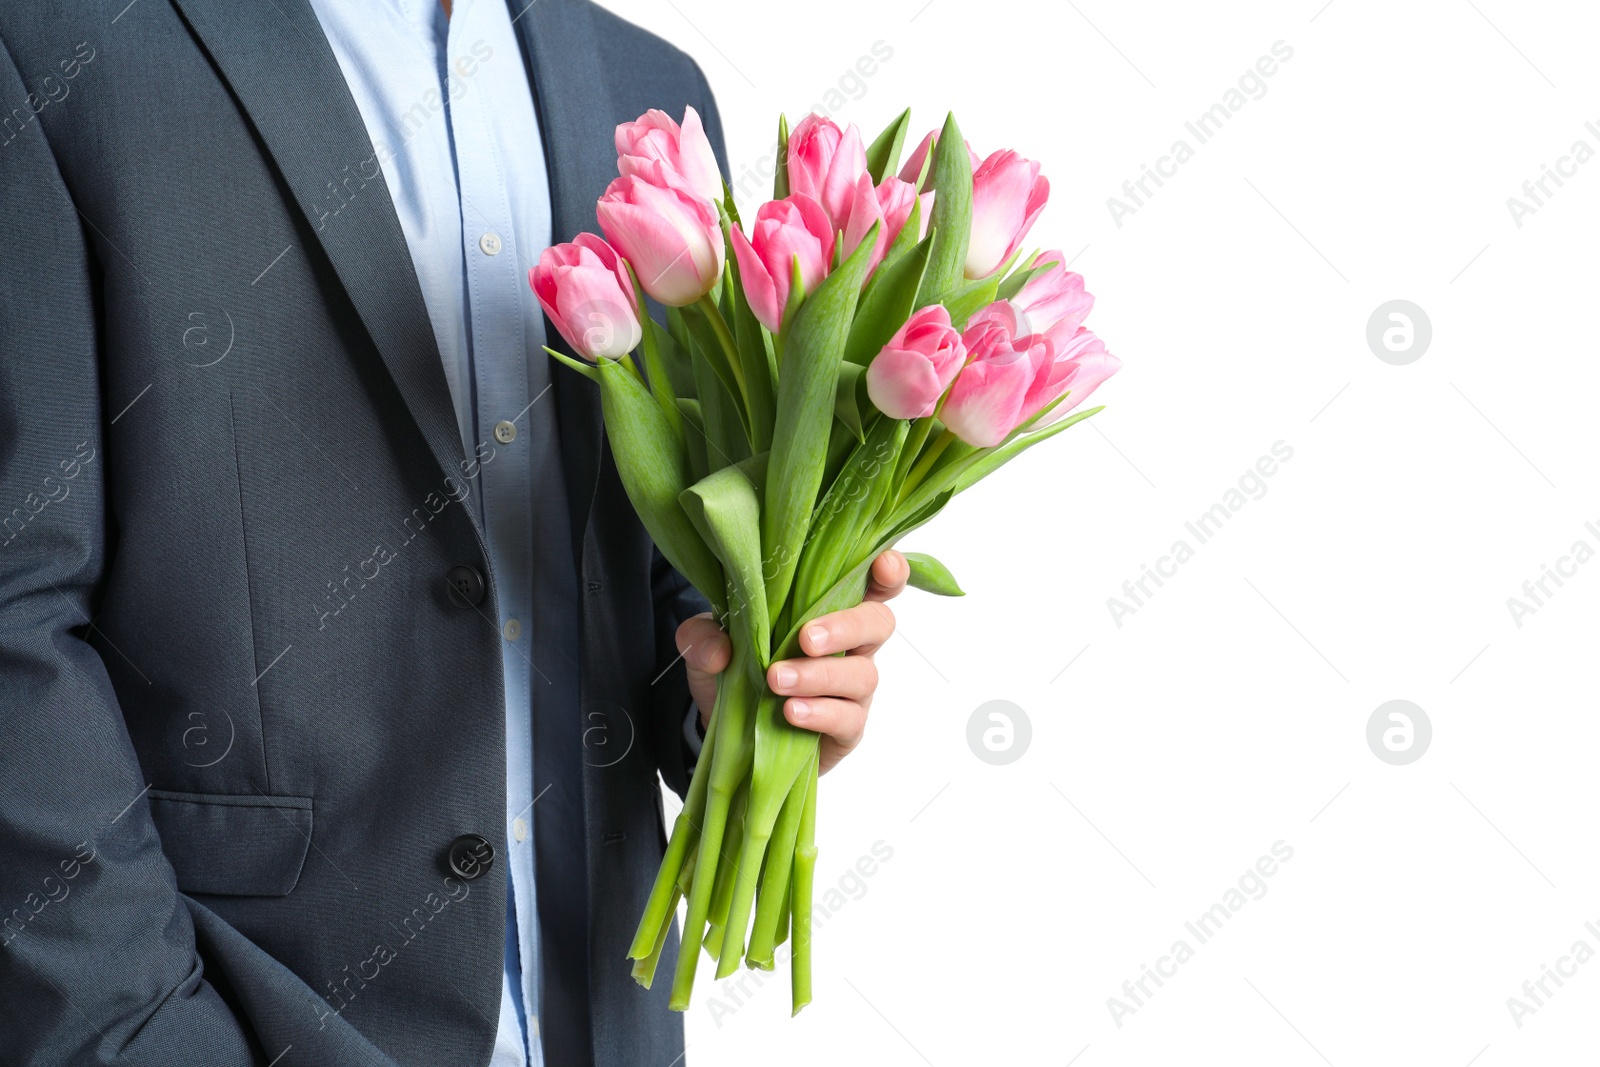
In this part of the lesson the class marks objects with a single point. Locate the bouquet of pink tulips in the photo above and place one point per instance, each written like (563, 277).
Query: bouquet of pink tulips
(822, 385)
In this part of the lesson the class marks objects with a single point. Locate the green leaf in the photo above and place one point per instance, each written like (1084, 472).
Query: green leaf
(694, 436)
(807, 387)
(586, 369)
(673, 355)
(987, 462)
(655, 470)
(1022, 276)
(678, 328)
(887, 303)
(852, 500)
(725, 439)
(969, 299)
(952, 215)
(780, 180)
(883, 155)
(931, 576)
(846, 407)
(708, 350)
(659, 377)
(725, 508)
(751, 341)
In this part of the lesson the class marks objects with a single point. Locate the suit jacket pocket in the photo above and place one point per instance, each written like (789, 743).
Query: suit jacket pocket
(240, 846)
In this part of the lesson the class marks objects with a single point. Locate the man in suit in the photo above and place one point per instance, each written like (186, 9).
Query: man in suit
(337, 676)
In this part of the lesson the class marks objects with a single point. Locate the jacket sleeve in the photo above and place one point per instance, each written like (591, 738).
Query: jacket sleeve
(97, 951)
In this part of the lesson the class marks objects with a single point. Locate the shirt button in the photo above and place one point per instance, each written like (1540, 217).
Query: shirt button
(519, 829)
(512, 629)
(505, 432)
(490, 243)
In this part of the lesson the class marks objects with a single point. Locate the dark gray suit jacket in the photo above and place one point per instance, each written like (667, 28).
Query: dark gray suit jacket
(226, 817)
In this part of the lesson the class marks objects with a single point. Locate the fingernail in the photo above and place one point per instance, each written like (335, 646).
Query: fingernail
(818, 635)
(786, 677)
(799, 711)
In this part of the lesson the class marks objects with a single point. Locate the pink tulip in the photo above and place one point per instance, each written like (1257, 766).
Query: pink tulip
(913, 165)
(824, 163)
(889, 205)
(672, 239)
(1076, 367)
(585, 289)
(1054, 301)
(658, 150)
(795, 228)
(985, 403)
(907, 378)
(1008, 192)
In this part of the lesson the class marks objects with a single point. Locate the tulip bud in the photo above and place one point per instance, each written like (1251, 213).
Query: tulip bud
(912, 169)
(1008, 192)
(795, 228)
(985, 403)
(889, 204)
(907, 378)
(1076, 367)
(655, 148)
(585, 289)
(825, 163)
(672, 239)
(1053, 301)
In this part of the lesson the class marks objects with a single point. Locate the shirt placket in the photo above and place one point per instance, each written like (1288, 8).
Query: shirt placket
(500, 383)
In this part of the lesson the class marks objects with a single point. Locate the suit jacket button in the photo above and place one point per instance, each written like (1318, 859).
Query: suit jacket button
(466, 586)
(470, 856)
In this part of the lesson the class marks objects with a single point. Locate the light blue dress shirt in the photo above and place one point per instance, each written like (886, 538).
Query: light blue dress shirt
(448, 105)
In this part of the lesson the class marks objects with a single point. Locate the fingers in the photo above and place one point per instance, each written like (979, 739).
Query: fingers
(844, 721)
(887, 578)
(704, 645)
(850, 677)
(860, 629)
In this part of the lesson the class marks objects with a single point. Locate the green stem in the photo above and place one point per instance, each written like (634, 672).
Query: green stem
(644, 970)
(723, 893)
(719, 326)
(771, 915)
(766, 805)
(736, 697)
(805, 867)
(658, 912)
(925, 463)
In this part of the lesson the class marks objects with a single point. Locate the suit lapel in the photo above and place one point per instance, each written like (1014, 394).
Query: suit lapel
(570, 95)
(277, 60)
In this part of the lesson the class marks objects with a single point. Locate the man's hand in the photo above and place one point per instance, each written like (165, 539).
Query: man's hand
(827, 693)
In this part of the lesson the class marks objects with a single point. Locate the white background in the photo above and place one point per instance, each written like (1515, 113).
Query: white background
(1229, 712)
